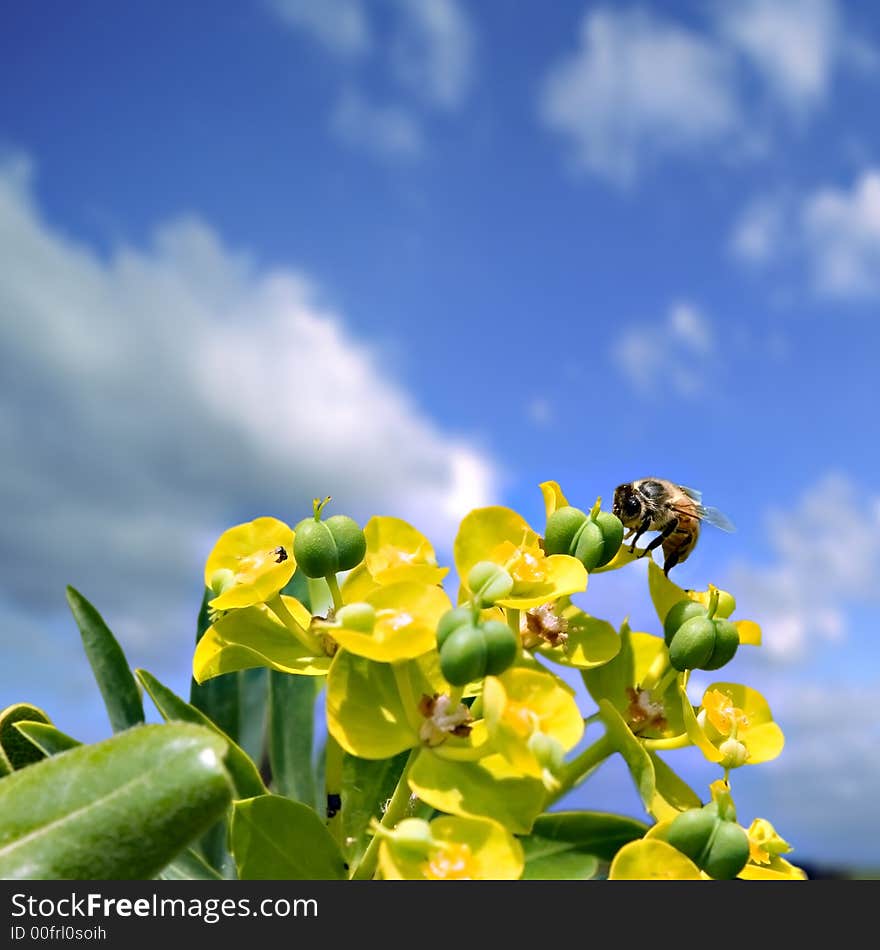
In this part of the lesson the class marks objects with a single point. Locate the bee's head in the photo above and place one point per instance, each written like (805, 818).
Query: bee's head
(627, 504)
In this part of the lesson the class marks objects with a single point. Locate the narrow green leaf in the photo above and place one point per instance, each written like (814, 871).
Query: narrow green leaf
(46, 737)
(16, 750)
(109, 665)
(592, 832)
(291, 734)
(671, 788)
(171, 707)
(188, 866)
(639, 763)
(120, 809)
(276, 839)
(217, 698)
(366, 785)
(548, 860)
(253, 705)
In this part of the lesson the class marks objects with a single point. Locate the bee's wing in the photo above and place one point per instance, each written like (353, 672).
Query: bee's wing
(692, 493)
(715, 517)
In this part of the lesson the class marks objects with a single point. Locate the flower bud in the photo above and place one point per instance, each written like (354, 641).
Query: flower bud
(489, 582)
(413, 837)
(733, 754)
(547, 750)
(463, 655)
(357, 617)
(221, 579)
(502, 646)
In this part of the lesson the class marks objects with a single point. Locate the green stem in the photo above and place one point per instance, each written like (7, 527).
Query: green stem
(656, 670)
(407, 694)
(664, 682)
(713, 603)
(395, 812)
(335, 593)
(305, 637)
(577, 769)
(333, 786)
(319, 596)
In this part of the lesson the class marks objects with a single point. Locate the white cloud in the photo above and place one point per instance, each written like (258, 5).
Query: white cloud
(841, 232)
(792, 43)
(432, 52)
(642, 87)
(669, 356)
(638, 85)
(384, 131)
(826, 559)
(833, 232)
(154, 396)
(339, 25)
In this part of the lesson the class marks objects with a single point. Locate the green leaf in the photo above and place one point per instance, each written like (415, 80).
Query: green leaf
(253, 704)
(639, 763)
(16, 750)
(590, 832)
(245, 775)
(118, 687)
(188, 866)
(276, 839)
(548, 860)
(120, 809)
(673, 794)
(46, 737)
(217, 698)
(366, 785)
(291, 734)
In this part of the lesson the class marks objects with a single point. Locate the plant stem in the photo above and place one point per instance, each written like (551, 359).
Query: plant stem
(305, 637)
(671, 742)
(335, 593)
(333, 786)
(577, 769)
(395, 811)
(512, 614)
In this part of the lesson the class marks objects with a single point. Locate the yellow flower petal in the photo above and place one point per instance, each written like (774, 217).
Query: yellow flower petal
(396, 552)
(553, 497)
(650, 859)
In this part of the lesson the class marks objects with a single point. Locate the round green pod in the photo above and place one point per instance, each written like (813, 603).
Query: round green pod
(351, 542)
(678, 613)
(612, 532)
(357, 617)
(315, 548)
(562, 526)
(692, 644)
(463, 655)
(728, 852)
(490, 581)
(502, 646)
(452, 620)
(589, 545)
(726, 645)
(692, 830)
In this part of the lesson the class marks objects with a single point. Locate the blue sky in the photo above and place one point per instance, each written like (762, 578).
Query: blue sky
(423, 256)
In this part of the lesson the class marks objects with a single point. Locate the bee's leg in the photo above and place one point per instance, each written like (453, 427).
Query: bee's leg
(670, 562)
(661, 537)
(643, 527)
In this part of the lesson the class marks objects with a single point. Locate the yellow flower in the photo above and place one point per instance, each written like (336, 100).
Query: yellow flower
(733, 726)
(450, 849)
(502, 536)
(651, 859)
(394, 622)
(250, 563)
(532, 719)
(765, 850)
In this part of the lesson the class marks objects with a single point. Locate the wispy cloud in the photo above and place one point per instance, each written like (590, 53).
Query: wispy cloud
(151, 397)
(385, 131)
(832, 232)
(340, 26)
(642, 87)
(668, 356)
(825, 560)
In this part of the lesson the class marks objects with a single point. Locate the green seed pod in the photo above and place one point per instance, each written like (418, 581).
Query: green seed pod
(452, 620)
(350, 540)
(678, 613)
(489, 582)
(612, 532)
(357, 617)
(562, 526)
(547, 750)
(589, 545)
(728, 852)
(692, 830)
(463, 655)
(502, 646)
(692, 644)
(315, 549)
(413, 837)
(726, 645)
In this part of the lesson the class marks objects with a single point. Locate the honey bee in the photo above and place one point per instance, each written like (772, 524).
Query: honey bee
(656, 504)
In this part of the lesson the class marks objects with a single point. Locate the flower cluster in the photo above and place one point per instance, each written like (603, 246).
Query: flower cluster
(465, 691)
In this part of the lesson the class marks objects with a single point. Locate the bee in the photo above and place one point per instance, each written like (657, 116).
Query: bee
(656, 504)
